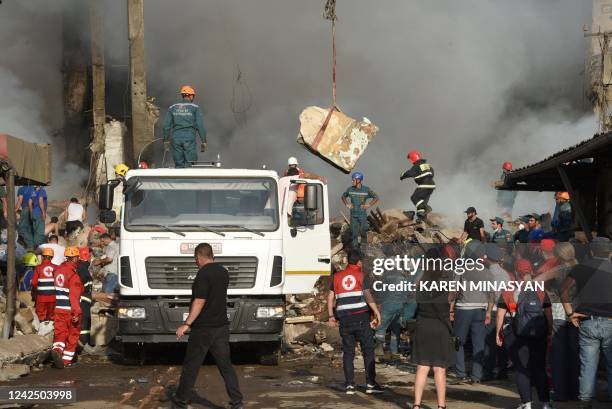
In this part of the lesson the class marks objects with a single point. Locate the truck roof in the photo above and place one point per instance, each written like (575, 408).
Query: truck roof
(203, 172)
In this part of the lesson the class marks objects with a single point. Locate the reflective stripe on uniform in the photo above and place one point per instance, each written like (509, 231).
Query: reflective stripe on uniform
(422, 175)
(61, 297)
(85, 331)
(418, 203)
(426, 186)
(350, 294)
(62, 308)
(351, 306)
(83, 298)
(66, 290)
(45, 280)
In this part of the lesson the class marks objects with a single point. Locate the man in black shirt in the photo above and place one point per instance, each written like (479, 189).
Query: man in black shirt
(592, 314)
(473, 227)
(209, 329)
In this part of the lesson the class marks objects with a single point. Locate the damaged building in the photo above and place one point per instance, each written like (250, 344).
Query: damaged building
(583, 170)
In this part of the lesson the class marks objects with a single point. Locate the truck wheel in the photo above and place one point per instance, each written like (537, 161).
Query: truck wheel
(270, 355)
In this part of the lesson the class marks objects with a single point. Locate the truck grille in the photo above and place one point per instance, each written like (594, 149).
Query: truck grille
(179, 272)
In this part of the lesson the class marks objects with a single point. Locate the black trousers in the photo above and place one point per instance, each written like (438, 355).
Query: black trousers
(565, 360)
(85, 336)
(420, 199)
(528, 356)
(201, 341)
(351, 334)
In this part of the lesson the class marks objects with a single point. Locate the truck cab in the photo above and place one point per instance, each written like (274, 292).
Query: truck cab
(271, 241)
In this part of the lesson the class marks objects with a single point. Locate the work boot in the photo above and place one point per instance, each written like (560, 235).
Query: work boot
(372, 389)
(178, 403)
(350, 389)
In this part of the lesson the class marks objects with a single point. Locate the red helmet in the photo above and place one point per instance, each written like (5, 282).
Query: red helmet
(143, 165)
(84, 254)
(413, 156)
(507, 166)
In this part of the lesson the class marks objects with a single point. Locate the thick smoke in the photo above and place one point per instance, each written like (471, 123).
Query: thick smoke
(31, 84)
(470, 84)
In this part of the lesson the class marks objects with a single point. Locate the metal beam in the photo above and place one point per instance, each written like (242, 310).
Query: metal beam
(575, 205)
(11, 274)
(138, 82)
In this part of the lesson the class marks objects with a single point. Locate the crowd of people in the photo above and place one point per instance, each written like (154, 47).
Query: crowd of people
(551, 339)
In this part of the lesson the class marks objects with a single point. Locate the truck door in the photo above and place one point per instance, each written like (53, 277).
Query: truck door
(306, 241)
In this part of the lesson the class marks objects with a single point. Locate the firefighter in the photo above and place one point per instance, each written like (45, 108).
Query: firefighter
(43, 289)
(423, 175)
(67, 314)
(506, 198)
(120, 171)
(356, 198)
(86, 300)
(183, 121)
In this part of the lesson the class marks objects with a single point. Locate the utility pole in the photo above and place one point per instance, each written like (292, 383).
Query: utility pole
(97, 71)
(11, 275)
(138, 82)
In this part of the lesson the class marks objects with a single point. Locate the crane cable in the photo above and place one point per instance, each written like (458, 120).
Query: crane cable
(330, 14)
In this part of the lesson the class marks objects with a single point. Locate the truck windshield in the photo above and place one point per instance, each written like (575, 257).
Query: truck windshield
(238, 204)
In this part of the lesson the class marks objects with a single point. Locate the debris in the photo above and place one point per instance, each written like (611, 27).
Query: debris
(334, 136)
(326, 347)
(13, 371)
(300, 320)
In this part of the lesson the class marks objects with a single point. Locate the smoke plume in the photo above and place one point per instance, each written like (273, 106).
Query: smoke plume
(470, 84)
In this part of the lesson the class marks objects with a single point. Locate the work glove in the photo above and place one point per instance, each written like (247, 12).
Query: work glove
(167, 145)
(203, 147)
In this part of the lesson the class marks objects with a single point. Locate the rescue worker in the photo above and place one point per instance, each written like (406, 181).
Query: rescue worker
(120, 171)
(500, 235)
(292, 163)
(43, 287)
(562, 222)
(355, 198)
(423, 175)
(67, 314)
(86, 300)
(506, 198)
(351, 294)
(183, 121)
(24, 278)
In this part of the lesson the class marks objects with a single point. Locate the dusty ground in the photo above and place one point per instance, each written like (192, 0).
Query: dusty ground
(299, 382)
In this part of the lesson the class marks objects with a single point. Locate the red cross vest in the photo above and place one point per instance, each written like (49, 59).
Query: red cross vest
(348, 289)
(43, 282)
(68, 288)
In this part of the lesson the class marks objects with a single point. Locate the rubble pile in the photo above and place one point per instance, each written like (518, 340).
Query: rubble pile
(306, 314)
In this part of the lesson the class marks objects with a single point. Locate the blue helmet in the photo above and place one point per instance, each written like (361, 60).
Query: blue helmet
(358, 176)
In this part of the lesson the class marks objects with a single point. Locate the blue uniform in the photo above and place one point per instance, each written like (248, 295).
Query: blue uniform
(38, 221)
(183, 122)
(24, 227)
(359, 218)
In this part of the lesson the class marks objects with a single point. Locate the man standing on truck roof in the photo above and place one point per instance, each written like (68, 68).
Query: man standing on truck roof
(209, 327)
(182, 122)
(356, 198)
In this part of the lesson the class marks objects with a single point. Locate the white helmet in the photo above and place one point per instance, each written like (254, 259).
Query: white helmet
(292, 161)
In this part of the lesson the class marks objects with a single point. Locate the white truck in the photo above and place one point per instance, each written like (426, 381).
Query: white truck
(270, 244)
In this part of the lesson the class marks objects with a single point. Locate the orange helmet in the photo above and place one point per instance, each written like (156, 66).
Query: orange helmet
(71, 252)
(507, 166)
(564, 195)
(84, 254)
(47, 251)
(413, 156)
(187, 90)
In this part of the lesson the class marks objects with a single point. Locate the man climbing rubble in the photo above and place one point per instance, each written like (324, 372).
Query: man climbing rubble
(423, 175)
(506, 198)
(182, 122)
(356, 198)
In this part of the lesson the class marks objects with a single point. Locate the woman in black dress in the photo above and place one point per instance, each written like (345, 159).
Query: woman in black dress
(433, 345)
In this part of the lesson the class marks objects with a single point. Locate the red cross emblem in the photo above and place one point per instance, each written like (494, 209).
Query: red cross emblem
(59, 280)
(48, 271)
(349, 282)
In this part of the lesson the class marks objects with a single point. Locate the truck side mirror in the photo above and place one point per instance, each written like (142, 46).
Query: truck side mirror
(106, 196)
(311, 202)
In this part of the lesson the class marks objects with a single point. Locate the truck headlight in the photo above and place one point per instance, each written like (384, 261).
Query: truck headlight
(134, 313)
(270, 312)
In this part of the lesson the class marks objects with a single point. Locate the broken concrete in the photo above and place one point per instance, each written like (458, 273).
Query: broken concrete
(10, 372)
(334, 136)
(26, 349)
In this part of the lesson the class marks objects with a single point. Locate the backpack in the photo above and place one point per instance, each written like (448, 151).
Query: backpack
(529, 320)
